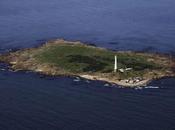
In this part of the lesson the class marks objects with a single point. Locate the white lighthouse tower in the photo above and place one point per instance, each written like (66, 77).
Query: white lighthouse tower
(116, 64)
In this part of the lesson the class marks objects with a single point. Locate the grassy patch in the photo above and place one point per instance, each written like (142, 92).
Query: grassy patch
(80, 58)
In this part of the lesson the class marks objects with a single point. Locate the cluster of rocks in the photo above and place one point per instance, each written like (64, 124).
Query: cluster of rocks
(134, 80)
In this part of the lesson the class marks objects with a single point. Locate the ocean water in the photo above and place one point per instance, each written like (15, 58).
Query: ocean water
(29, 101)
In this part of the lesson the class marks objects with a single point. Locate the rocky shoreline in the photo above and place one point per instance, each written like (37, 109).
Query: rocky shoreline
(118, 82)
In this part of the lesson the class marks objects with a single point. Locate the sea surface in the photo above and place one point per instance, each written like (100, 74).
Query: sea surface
(30, 101)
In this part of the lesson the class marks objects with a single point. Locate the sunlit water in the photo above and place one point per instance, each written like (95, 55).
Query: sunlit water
(32, 101)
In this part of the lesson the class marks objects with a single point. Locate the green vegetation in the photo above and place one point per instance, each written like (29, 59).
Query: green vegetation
(79, 58)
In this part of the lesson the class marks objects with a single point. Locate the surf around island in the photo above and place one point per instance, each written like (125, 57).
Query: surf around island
(60, 57)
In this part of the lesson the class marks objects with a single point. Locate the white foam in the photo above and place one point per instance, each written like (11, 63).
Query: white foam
(106, 85)
(138, 88)
(77, 79)
(152, 87)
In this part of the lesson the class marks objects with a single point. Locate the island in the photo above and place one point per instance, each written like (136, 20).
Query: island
(61, 57)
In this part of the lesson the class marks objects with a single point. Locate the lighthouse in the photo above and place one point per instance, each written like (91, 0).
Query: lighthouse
(115, 64)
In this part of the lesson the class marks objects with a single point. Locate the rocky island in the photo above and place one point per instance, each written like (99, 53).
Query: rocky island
(60, 57)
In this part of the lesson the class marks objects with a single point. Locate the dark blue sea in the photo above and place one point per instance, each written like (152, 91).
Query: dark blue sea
(30, 101)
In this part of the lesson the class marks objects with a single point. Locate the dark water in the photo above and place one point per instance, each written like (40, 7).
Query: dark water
(116, 24)
(31, 101)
